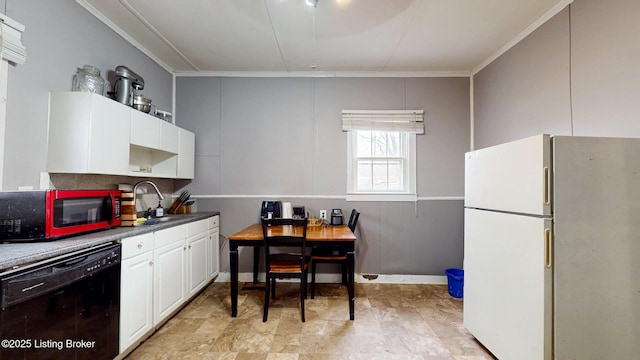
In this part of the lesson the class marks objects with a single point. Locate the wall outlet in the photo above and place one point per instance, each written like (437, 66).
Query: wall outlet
(323, 214)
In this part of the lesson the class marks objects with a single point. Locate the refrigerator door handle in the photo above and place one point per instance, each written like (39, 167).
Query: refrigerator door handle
(548, 255)
(547, 186)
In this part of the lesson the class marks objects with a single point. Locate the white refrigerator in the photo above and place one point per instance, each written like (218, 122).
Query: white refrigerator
(552, 248)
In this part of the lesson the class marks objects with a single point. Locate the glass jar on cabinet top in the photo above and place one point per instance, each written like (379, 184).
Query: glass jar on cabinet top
(88, 79)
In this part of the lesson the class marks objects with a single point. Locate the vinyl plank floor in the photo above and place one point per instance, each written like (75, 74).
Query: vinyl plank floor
(392, 321)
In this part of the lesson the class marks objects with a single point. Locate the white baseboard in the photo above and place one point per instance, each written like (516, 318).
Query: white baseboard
(360, 278)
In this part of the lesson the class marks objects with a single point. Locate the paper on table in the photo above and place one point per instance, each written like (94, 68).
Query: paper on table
(287, 212)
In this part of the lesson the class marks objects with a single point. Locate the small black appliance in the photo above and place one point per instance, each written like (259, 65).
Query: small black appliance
(274, 207)
(336, 217)
(298, 212)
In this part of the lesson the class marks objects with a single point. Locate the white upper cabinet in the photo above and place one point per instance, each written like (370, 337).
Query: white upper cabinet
(150, 132)
(88, 133)
(154, 146)
(169, 137)
(92, 134)
(186, 154)
(145, 130)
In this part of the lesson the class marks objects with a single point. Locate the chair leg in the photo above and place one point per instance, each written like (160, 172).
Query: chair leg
(344, 274)
(265, 310)
(303, 295)
(313, 279)
(273, 288)
(306, 283)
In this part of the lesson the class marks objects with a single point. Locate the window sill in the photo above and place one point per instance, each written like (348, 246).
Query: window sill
(382, 197)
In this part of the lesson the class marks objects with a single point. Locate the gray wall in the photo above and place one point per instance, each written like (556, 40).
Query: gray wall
(576, 75)
(60, 36)
(605, 67)
(260, 138)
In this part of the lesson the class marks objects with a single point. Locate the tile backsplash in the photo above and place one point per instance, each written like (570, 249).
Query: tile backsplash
(149, 199)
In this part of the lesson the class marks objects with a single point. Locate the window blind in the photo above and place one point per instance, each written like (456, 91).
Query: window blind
(11, 41)
(408, 121)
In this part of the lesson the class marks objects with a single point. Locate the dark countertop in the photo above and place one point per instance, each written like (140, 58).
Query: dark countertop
(15, 255)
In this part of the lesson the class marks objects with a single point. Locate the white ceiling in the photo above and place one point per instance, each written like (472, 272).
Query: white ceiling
(337, 36)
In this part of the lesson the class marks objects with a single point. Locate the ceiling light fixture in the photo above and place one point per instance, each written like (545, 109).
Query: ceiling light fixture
(313, 3)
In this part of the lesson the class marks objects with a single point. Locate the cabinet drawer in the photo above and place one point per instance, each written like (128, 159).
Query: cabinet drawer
(136, 245)
(167, 236)
(197, 227)
(214, 221)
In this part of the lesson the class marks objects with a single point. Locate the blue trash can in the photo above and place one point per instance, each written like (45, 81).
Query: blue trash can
(455, 279)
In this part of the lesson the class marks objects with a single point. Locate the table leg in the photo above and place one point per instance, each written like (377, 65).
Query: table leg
(351, 283)
(233, 262)
(256, 263)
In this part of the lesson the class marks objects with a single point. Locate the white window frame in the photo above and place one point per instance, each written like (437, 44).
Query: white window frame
(11, 50)
(4, 70)
(409, 169)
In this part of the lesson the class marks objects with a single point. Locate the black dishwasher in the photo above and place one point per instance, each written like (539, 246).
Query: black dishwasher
(64, 308)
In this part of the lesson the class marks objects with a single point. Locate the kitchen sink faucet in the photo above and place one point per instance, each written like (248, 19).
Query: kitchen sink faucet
(149, 182)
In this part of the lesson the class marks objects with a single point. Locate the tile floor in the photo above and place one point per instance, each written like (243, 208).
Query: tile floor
(392, 321)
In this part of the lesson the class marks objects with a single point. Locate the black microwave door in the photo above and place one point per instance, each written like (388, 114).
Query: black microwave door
(68, 212)
(23, 215)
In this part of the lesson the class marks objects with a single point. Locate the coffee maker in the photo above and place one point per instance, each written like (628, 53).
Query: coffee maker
(126, 84)
(336, 217)
(273, 207)
(298, 212)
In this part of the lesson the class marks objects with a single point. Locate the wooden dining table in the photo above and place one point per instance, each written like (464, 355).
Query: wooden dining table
(323, 235)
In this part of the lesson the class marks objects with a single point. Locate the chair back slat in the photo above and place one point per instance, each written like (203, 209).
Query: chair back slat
(285, 234)
(353, 220)
(336, 255)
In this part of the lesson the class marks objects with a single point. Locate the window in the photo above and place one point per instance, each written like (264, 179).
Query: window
(11, 51)
(381, 156)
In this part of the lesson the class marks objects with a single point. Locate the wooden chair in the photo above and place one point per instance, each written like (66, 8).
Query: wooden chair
(280, 235)
(331, 255)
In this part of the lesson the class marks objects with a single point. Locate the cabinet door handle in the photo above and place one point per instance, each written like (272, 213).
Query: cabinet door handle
(140, 245)
(151, 263)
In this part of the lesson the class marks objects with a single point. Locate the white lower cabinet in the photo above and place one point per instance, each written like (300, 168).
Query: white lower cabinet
(203, 262)
(136, 289)
(160, 272)
(197, 254)
(169, 272)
